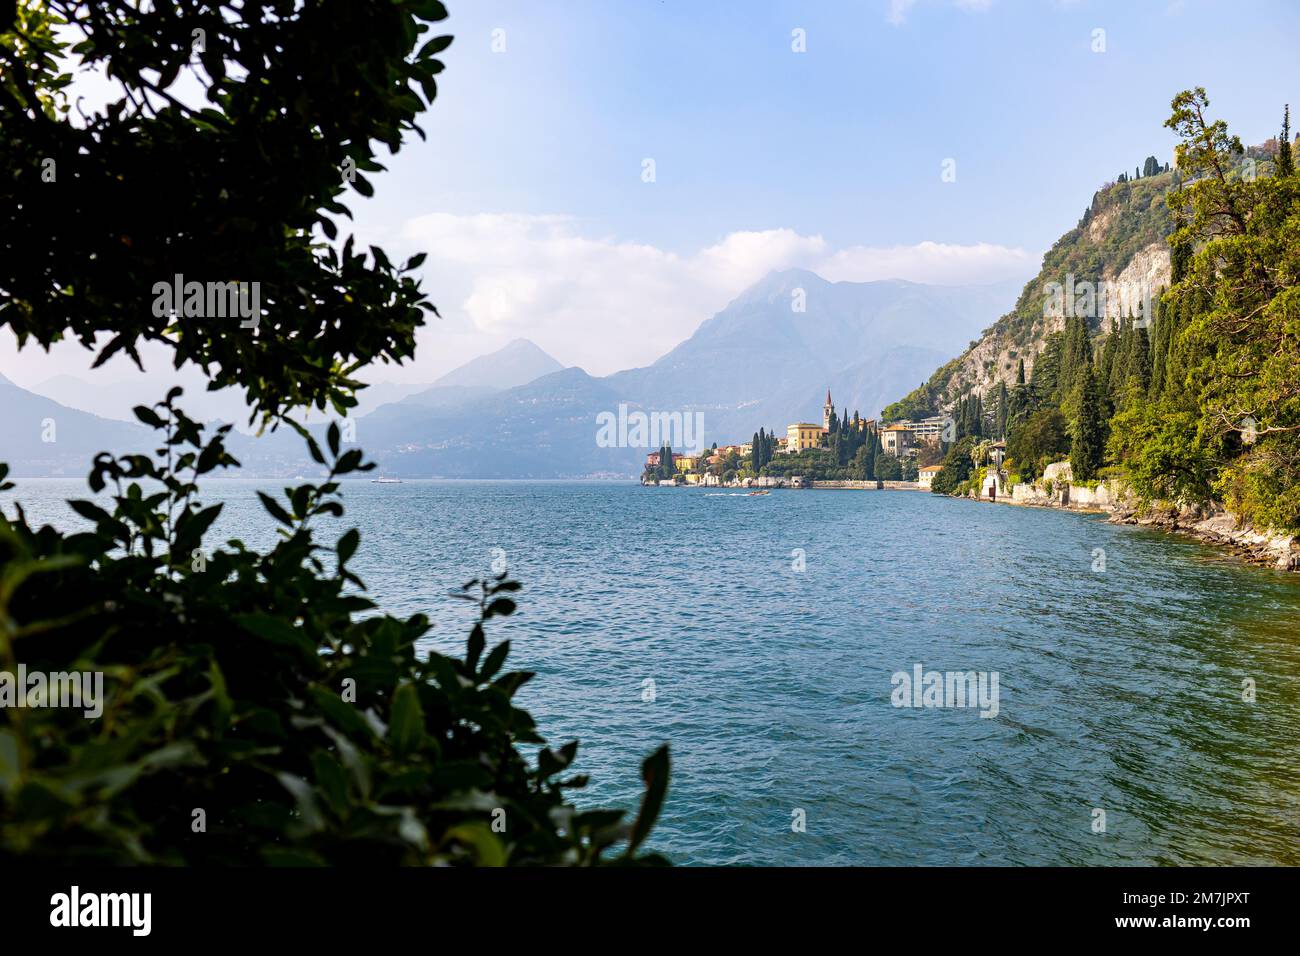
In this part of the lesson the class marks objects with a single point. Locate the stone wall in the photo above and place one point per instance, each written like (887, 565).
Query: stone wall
(849, 484)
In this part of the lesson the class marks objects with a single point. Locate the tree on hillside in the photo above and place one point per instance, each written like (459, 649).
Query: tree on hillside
(957, 467)
(1087, 438)
(1037, 441)
(1285, 161)
(1047, 374)
(1226, 420)
(1003, 413)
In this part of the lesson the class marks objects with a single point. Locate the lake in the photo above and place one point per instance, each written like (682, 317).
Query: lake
(761, 636)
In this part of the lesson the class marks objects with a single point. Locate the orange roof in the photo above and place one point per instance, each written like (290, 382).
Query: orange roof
(933, 468)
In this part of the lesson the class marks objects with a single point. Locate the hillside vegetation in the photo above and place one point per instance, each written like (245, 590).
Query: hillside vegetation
(1124, 218)
(1198, 401)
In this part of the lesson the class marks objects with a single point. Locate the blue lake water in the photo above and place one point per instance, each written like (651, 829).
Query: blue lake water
(1120, 690)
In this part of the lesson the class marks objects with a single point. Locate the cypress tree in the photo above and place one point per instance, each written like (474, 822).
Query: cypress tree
(1076, 351)
(1047, 368)
(1109, 355)
(1003, 413)
(1139, 366)
(1159, 347)
(1087, 440)
(1285, 161)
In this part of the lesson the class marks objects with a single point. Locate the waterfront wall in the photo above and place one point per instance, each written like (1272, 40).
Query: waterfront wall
(1210, 524)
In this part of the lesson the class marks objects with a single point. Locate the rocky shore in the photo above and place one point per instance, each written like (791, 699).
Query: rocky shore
(1216, 527)
(1211, 524)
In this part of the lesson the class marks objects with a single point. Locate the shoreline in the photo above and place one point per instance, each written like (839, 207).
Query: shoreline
(1214, 526)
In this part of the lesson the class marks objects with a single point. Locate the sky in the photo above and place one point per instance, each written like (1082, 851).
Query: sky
(944, 141)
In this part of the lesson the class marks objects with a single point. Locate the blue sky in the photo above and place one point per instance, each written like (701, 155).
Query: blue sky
(530, 200)
(771, 157)
(845, 140)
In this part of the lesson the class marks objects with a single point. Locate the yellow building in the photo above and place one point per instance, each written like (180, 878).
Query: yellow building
(926, 476)
(686, 463)
(803, 435)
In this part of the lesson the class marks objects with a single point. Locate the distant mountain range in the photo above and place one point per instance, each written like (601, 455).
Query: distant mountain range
(38, 436)
(517, 363)
(765, 360)
(114, 400)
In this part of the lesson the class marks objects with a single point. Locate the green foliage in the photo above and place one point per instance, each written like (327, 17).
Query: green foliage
(924, 401)
(1038, 441)
(1223, 417)
(243, 188)
(1204, 402)
(762, 448)
(264, 690)
(1087, 431)
(888, 468)
(1285, 159)
(957, 468)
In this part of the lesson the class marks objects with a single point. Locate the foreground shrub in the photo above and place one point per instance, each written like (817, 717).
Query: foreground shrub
(254, 709)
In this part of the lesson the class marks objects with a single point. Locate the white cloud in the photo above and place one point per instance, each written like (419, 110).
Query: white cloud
(898, 9)
(599, 302)
(607, 304)
(937, 263)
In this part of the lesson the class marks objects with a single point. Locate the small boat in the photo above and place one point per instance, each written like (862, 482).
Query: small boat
(758, 494)
(385, 481)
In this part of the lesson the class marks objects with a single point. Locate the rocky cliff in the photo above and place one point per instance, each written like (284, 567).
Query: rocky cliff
(1119, 244)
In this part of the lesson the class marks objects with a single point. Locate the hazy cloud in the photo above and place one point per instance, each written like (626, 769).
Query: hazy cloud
(607, 304)
(596, 301)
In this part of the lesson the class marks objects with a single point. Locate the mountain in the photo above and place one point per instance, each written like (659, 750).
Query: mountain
(517, 363)
(765, 360)
(116, 399)
(545, 429)
(448, 396)
(382, 393)
(1121, 239)
(758, 362)
(40, 437)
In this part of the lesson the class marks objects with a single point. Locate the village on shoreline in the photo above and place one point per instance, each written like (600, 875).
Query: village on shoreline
(910, 452)
(842, 452)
